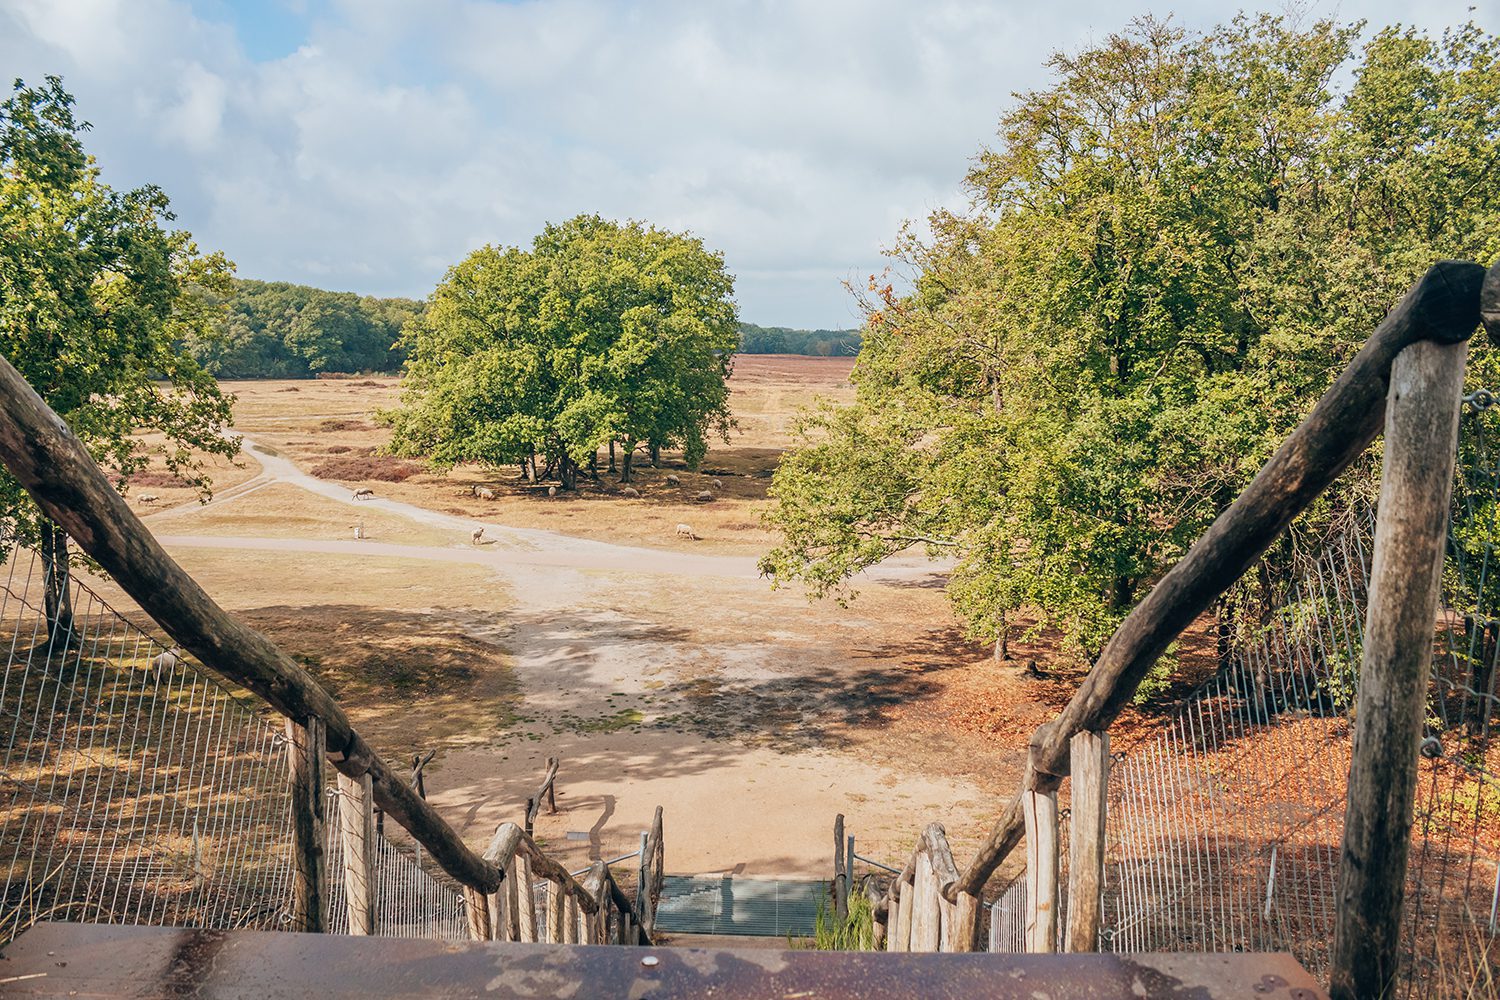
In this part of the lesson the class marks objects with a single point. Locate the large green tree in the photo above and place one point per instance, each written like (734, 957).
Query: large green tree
(1171, 252)
(601, 334)
(95, 292)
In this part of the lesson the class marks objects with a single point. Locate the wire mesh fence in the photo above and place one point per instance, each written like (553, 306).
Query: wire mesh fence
(1009, 913)
(410, 901)
(134, 788)
(1226, 826)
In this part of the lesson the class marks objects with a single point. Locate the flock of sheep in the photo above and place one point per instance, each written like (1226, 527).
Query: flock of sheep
(476, 537)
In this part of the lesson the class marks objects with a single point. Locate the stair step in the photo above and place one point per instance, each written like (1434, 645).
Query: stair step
(740, 906)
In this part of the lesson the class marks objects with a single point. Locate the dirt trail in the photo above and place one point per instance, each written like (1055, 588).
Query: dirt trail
(596, 665)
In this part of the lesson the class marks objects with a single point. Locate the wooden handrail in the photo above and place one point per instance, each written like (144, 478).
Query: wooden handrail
(52, 464)
(1442, 306)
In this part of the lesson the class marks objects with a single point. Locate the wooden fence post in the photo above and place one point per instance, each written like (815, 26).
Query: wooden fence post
(1421, 428)
(526, 901)
(1040, 809)
(357, 829)
(305, 752)
(1086, 839)
(840, 873)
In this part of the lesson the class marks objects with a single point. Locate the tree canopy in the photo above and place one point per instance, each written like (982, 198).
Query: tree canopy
(1171, 252)
(785, 340)
(280, 330)
(601, 333)
(95, 293)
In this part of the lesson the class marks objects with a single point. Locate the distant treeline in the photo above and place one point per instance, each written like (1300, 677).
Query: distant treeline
(274, 329)
(781, 340)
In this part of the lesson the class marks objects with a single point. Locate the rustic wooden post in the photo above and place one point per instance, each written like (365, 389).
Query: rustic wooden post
(552, 786)
(892, 913)
(570, 919)
(305, 752)
(1421, 429)
(1090, 754)
(557, 910)
(526, 903)
(966, 923)
(1040, 810)
(477, 912)
(926, 926)
(840, 873)
(357, 832)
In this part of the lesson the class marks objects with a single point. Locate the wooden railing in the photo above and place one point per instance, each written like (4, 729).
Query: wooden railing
(916, 913)
(52, 464)
(541, 901)
(1415, 360)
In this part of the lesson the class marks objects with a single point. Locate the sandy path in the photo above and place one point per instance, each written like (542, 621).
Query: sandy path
(586, 649)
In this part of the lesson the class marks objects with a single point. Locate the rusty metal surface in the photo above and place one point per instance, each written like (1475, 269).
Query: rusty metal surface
(88, 960)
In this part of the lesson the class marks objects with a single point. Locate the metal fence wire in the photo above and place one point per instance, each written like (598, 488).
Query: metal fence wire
(134, 787)
(410, 901)
(1225, 827)
(137, 788)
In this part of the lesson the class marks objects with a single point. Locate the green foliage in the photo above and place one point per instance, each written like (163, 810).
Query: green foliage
(1171, 253)
(856, 932)
(280, 330)
(95, 294)
(600, 333)
(783, 340)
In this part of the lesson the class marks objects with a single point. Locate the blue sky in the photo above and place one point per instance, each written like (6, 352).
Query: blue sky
(369, 144)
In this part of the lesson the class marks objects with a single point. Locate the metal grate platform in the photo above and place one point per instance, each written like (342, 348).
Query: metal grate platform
(753, 907)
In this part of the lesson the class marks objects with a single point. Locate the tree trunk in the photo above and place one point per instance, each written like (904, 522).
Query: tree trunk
(58, 599)
(612, 467)
(625, 462)
(531, 466)
(567, 472)
(655, 454)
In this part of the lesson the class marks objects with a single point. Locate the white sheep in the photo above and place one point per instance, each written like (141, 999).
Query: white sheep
(716, 484)
(686, 531)
(484, 493)
(631, 492)
(476, 535)
(674, 481)
(552, 491)
(149, 498)
(165, 661)
(704, 496)
(363, 493)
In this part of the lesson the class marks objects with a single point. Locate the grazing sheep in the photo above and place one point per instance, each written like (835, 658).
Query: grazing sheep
(631, 492)
(686, 531)
(716, 484)
(484, 493)
(476, 535)
(149, 498)
(552, 491)
(704, 497)
(165, 661)
(363, 493)
(674, 481)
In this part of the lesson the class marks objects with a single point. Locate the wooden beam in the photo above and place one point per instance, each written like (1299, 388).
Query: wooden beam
(1411, 526)
(304, 754)
(907, 912)
(926, 926)
(1443, 307)
(1041, 871)
(49, 461)
(1086, 839)
(840, 873)
(357, 834)
(526, 903)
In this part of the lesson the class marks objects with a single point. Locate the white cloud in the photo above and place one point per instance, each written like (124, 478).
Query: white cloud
(795, 136)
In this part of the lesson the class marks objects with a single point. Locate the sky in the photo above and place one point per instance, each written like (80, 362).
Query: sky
(368, 145)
